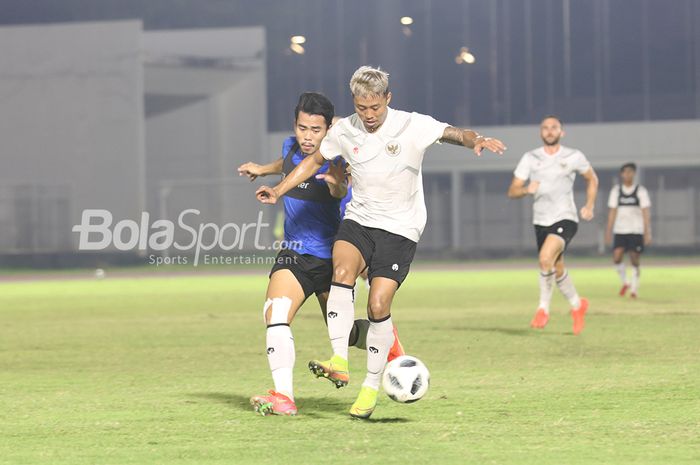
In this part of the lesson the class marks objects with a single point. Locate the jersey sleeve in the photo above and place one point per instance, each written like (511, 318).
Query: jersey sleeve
(582, 164)
(522, 171)
(426, 129)
(330, 145)
(614, 197)
(644, 200)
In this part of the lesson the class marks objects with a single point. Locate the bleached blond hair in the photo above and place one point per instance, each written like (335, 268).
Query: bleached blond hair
(369, 82)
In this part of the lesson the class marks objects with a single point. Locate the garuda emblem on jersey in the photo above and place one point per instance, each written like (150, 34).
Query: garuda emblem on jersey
(393, 148)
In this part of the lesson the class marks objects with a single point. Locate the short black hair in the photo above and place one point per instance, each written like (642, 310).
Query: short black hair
(314, 103)
(561, 123)
(629, 165)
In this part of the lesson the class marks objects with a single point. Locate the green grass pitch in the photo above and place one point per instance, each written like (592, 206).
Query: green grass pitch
(159, 370)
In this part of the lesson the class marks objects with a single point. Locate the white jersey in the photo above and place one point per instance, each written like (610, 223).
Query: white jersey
(629, 202)
(554, 199)
(387, 182)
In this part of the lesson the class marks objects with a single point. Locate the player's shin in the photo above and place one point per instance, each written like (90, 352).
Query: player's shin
(341, 315)
(546, 289)
(622, 272)
(634, 284)
(566, 286)
(380, 337)
(280, 345)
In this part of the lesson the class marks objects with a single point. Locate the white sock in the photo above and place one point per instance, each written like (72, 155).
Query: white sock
(380, 338)
(620, 267)
(635, 279)
(341, 316)
(546, 289)
(566, 286)
(281, 357)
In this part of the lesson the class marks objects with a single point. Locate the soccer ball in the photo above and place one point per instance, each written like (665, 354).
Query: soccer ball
(406, 379)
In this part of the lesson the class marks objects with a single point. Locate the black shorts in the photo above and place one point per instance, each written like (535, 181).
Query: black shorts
(387, 255)
(629, 242)
(313, 273)
(566, 229)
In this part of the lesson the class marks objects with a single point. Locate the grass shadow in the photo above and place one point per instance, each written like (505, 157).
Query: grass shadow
(511, 331)
(308, 406)
(234, 400)
(387, 420)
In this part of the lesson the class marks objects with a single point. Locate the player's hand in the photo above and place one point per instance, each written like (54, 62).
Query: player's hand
(489, 143)
(250, 169)
(608, 238)
(266, 195)
(647, 238)
(335, 174)
(587, 213)
(532, 187)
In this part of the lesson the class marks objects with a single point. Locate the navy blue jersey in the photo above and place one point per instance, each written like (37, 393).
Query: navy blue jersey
(311, 213)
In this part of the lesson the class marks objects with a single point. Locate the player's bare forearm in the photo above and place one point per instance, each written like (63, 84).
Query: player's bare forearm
(472, 139)
(253, 170)
(458, 136)
(646, 215)
(301, 173)
(591, 188)
(338, 191)
(517, 189)
(612, 214)
(273, 168)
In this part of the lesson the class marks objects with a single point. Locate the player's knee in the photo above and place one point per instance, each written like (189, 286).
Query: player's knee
(546, 262)
(377, 306)
(342, 274)
(277, 310)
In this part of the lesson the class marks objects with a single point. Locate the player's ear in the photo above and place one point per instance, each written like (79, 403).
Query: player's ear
(388, 98)
(563, 133)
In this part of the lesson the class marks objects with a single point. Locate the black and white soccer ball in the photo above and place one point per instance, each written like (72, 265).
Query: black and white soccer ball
(406, 379)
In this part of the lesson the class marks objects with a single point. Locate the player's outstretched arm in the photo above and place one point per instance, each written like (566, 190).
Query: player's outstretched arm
(646, 214)
(612, 214)
(591, 193)
(472, 139)
(336, 178)
(301, 173)
(518, 189)
(253, 170)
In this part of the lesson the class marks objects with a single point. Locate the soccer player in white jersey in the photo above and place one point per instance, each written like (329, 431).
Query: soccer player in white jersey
(629, 221)
(551, 170)
(384, 220)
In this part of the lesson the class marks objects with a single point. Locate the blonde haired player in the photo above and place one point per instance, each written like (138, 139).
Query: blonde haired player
(551, 170)
(312, 217)
(383, 221)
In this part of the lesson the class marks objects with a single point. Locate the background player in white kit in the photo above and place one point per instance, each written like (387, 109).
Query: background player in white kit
(383, 221)
(629, 219)
(551, 170)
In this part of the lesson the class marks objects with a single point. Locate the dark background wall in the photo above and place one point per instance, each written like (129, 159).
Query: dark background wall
(592, 60)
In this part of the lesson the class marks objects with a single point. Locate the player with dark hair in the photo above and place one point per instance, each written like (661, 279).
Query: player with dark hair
(629, 220)
(551, 170)
(312, 216)
(384, 220)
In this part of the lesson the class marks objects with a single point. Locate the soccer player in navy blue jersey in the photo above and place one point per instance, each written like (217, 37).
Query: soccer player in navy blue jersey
(312, 217)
